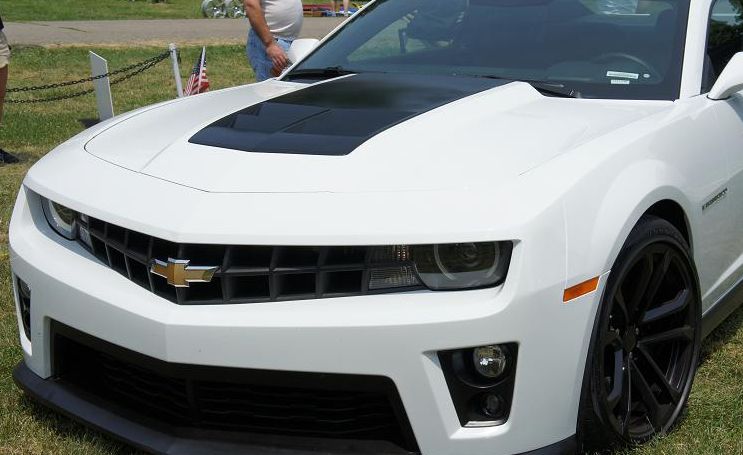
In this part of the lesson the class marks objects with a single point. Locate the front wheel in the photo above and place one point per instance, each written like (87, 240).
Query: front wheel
(645, 345)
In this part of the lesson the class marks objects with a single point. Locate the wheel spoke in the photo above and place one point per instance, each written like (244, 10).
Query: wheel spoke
(659, 375)
(642, 285)
(617, 390)
(621, 303)
(668, 308)
(656, 279)
(646, 394)
(627, 398)
(685, 333)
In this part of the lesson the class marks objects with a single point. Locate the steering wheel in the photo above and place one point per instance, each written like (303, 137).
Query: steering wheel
(613, 56)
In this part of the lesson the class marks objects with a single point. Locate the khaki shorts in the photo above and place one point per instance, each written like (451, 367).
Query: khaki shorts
(4, 50)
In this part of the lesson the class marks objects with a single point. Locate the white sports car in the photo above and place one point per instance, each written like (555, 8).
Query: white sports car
(453, 227)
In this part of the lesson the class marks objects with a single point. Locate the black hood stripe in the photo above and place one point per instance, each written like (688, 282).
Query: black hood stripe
(335, 117)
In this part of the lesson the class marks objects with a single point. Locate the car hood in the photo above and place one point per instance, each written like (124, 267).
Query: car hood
(365, 133)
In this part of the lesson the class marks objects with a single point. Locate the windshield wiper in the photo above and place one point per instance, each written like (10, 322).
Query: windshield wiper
(319, 73)
(545, 88)
(554, 89)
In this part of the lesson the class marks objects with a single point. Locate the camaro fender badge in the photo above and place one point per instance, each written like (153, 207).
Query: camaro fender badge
(717, 198)
(180, 274)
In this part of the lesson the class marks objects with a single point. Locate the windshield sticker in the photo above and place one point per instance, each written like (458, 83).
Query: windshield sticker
(622, 74)
(619, 82)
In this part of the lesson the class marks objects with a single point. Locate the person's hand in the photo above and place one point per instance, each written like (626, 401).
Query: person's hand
(277, 56)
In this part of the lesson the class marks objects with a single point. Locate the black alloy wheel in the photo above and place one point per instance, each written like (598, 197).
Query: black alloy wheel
(645, 345)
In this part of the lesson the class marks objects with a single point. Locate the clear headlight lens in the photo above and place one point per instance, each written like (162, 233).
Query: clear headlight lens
(62, 219)
(462, 265)
(439, 267)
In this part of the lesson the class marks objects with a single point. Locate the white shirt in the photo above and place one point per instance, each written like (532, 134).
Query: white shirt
(284, 17)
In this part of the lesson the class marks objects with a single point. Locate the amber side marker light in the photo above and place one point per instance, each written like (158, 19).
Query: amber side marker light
(580, 290)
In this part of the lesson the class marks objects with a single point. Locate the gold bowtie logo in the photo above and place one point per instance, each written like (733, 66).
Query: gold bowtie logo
(180, 274)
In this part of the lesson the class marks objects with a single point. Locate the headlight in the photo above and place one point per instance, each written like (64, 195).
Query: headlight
(60, 218)
(462, 265)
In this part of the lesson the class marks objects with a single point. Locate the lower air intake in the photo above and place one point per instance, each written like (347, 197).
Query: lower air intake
(235, 401)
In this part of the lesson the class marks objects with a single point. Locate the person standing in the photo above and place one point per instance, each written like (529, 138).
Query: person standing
(5, 157)
(274, 25)
(345, 6)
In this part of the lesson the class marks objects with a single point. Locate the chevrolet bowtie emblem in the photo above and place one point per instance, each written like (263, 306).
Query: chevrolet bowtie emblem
(180, 274)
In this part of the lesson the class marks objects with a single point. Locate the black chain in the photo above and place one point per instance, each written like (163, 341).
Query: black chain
(137, 67)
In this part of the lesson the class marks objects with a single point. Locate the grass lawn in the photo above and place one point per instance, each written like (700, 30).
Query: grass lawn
(68, 10)
(714, 424)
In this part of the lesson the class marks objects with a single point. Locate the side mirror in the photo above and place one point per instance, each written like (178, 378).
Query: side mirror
(730, 80)
(300, 48)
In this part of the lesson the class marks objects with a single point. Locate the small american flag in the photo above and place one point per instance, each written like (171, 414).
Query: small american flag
(198, 82)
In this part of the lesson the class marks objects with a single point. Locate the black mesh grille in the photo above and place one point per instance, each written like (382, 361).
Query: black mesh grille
(247, 274)
(260, 402)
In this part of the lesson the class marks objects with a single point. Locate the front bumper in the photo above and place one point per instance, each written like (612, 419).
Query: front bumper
(396, 336)
(143, 437)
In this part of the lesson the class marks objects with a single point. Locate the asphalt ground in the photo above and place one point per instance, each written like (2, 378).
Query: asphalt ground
(147, 32)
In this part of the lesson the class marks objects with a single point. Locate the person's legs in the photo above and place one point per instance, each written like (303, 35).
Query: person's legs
(4, 61)
(3, 84)
(262, 65)
(345, 7)
(5, 157)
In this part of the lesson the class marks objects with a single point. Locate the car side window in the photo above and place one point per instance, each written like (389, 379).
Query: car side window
(724, 39)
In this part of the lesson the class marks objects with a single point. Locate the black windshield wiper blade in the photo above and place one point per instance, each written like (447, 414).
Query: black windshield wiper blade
(319, 73)
(545, 88)
(554, 89)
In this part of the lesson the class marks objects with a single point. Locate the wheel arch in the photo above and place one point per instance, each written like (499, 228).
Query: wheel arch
(645, 187)
(671, 211)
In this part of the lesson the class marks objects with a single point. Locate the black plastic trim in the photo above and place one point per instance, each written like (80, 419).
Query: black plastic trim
(145, 437)
(567, 446)
(721, 310)
(24, 307)
(152, 434)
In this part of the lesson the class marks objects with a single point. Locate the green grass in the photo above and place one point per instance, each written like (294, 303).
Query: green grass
(61, 10)
(69, 10)
(714, 424)
(31, 131)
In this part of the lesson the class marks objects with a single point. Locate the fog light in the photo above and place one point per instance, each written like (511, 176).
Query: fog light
(492, 405)
(490, 361)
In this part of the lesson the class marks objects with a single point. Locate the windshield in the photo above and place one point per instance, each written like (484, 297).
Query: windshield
(620, 49)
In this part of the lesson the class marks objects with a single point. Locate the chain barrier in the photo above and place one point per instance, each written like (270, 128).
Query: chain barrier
(132, 70)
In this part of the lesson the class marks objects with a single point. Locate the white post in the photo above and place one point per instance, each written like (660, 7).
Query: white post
(98, 67)
(176, 69)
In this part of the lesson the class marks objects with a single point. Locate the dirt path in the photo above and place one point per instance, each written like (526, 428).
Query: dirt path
(126, 32)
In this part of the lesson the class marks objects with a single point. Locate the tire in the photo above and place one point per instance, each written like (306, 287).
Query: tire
(645, 344)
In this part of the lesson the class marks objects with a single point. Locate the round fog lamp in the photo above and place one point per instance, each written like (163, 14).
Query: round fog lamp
(490, 361)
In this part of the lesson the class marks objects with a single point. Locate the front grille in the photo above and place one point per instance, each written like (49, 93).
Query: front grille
(233, 402)
(250, 274)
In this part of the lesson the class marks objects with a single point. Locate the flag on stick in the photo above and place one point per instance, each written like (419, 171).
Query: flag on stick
(198, 82)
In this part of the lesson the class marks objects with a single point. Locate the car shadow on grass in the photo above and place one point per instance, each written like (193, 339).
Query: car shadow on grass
(722, 335)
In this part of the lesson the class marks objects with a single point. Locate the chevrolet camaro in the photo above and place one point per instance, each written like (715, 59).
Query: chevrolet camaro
(451, 227)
